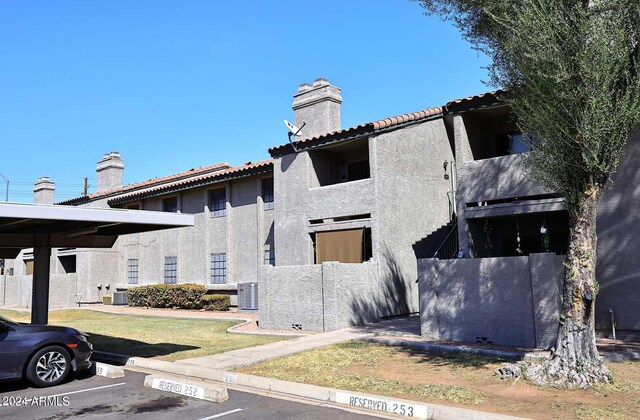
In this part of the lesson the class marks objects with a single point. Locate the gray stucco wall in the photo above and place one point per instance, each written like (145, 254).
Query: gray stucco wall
(618, 267)
(242, 234)
(321, 297)
(506, 301)
(406, 197)
(496, 178)
(15, 290)
(410, 202)
(297, 203)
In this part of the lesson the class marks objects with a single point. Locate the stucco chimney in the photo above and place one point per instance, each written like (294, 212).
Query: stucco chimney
(44, 190)
(318, 106)
(109, 172)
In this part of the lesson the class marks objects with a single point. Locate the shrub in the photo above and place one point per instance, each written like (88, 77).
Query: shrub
(185, 296)
(216, 302)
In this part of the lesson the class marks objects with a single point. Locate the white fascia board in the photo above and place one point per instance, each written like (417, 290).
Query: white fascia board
(92, 214)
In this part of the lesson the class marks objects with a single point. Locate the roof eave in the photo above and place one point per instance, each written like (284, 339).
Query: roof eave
(170, 189)
(348, 135)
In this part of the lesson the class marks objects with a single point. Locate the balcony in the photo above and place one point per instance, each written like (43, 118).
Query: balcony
(498, 178)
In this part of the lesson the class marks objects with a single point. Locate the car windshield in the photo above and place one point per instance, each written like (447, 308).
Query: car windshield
(6, 320)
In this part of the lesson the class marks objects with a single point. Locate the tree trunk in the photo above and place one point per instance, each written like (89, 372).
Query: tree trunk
(575, 361)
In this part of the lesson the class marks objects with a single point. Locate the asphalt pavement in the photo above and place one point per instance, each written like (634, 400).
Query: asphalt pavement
(95, 397)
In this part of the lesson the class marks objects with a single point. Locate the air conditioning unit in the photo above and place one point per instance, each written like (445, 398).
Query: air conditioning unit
(248, 296)
(119, 298)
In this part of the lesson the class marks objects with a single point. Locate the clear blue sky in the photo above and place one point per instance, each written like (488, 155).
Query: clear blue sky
(176, 84)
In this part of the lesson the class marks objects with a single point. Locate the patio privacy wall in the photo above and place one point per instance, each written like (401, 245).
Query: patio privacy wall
(15, 291)
(320, 297)
(513, 301)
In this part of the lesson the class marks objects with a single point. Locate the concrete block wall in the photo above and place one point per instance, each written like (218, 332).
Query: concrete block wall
(512, 301)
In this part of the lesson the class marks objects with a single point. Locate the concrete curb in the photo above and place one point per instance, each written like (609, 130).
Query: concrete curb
(298, 390)
(191, 388)
(107, 370)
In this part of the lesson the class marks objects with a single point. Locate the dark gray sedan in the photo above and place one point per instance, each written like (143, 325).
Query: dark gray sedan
(42, 354)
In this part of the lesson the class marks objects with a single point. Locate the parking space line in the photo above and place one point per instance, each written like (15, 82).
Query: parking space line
(87, 390)
(222, 414)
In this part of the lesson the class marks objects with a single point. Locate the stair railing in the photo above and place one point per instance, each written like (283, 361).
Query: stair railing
(449, 246)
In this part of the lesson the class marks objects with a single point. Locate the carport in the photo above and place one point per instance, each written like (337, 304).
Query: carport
(43, 227)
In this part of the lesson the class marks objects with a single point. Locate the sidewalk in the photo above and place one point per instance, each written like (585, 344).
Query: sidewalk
(252, 355)
(215, 369)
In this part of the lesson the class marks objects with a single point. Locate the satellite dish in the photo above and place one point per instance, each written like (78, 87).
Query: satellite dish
(293, 132)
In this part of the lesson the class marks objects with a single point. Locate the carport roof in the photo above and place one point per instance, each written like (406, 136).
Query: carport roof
(67, 226)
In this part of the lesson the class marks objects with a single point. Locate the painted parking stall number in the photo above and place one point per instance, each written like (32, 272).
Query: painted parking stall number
(230, 378)
(178, 388)
(100, 370)
(383, 405)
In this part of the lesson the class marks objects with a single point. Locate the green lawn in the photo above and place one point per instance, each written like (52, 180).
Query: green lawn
(162, 338)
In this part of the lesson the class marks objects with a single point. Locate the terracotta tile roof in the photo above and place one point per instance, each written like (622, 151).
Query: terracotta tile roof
(481, 100)
(360, 130)
(144, 184)
(248, 169)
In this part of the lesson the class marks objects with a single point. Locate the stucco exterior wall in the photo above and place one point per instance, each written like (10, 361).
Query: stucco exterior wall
(297, 203)
(242, 234)
(321, 297)
(512, 301)
(495, 179)
(15, 290)
(618, 267)
(410, 202)
(406, 196)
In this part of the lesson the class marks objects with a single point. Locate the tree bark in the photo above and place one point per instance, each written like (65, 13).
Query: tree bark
(575, 361)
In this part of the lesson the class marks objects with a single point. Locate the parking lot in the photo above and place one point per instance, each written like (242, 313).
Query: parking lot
(87, 396)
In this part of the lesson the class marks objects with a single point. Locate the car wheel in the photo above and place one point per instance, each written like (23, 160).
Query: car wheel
(49, 366)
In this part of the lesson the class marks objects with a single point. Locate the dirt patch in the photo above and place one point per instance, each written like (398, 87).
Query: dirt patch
(463, 381)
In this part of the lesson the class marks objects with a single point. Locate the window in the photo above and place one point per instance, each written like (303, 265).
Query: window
(68, 263)
(267, 193)
(170, 270)
(170, 205)
(269, 256)
(345, 246)
(218, 202)
(132, 271)
(218, 268)
(28, 267)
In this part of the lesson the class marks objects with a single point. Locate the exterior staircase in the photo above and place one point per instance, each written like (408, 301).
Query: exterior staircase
(442, 243)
